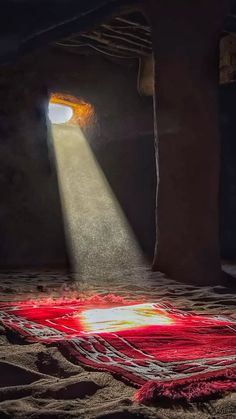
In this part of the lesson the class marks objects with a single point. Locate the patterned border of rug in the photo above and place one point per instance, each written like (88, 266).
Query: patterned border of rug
(165, 352)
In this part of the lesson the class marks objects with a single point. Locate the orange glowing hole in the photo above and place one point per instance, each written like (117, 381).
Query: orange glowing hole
(82, 112)
(122, 318)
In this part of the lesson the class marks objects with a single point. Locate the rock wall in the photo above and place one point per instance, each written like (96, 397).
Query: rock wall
(228, 170)
(32, 232)
(31, 228)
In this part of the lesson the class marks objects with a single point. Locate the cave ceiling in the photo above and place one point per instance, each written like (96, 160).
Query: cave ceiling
(111, 27)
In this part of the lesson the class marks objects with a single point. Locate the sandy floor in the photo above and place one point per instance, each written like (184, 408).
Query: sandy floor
(37, 381)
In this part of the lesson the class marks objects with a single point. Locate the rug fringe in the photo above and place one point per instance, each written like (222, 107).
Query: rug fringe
(188, 390)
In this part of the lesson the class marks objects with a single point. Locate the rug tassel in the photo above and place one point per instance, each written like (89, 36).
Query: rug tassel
(189, 390)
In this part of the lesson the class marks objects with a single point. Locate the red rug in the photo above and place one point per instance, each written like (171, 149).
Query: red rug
(165, 352)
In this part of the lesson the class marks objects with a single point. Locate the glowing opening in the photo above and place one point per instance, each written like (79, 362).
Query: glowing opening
(59, 114)
(70, 109)
(123, 318)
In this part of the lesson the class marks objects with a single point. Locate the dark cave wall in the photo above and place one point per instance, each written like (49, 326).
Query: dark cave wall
(31, 228)
(228, 170)
(31, 222)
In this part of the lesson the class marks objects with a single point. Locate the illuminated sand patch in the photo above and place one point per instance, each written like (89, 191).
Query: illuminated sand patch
(122, 318)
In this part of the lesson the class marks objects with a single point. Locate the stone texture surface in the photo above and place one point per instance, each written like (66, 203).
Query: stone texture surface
(121, 139)
(31, 228)
(188, 143)
(228, 171)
